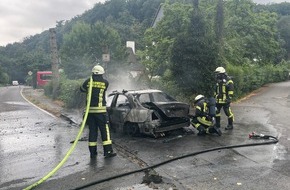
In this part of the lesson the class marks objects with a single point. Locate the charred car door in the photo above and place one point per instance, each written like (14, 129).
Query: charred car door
(119, 109)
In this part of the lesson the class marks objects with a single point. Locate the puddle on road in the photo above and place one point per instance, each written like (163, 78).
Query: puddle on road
(16, 103)
(14, 106)
(38, 149)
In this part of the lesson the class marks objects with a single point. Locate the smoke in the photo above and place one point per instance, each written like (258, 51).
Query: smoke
(125, 77)
(126, 80)
(121, 82)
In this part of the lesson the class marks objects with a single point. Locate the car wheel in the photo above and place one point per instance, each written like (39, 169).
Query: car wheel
(131, 129)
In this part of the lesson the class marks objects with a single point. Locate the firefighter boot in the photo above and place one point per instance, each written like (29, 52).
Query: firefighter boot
(230, 124)
(201, 131)
(218, 121)
(108, 151)
(214, 129)
(93, 152)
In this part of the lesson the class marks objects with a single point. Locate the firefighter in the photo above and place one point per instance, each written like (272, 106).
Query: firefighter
(97, 116)
(203, 120)
(224, 92)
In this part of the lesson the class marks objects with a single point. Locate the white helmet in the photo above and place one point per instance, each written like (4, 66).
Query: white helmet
(198, 97)
(220, 70)
(98, 70)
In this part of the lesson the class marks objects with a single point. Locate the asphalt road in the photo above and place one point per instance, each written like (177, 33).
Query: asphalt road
(32, 143)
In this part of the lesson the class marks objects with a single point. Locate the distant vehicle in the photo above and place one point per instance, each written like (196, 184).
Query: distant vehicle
(151, 112)
(43, 77)
(15, 83)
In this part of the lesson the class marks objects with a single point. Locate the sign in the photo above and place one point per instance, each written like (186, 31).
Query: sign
(30, 73)
(106, 57)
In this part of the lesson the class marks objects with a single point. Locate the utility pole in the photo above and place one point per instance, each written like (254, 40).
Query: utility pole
(106, 58)
(54, 64)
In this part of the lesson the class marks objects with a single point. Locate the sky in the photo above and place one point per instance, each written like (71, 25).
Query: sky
(270, 1)
(24, 18)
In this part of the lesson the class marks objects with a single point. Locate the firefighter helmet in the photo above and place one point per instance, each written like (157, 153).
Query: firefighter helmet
(98, 70)
(220, 70)
(198, 97)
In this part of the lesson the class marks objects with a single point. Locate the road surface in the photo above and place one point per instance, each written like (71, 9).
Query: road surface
(32, 143)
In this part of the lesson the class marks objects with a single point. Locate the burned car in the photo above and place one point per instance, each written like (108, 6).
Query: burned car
(150, 112)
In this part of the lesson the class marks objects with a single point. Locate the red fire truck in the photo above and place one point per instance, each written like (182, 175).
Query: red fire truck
(42, 77)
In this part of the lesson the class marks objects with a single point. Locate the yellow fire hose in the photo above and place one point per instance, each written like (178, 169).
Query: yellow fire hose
(72, 147)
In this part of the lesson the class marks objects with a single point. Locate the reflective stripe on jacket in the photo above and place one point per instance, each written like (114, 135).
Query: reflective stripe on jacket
(224, 91)
(201, 112)
(98, 99)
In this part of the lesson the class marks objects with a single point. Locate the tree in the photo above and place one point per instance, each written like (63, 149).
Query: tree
(193, 57)
(4, 78)
(284, 29)
(219, 27)
(158, 41)
(84, 46)
(250, 35)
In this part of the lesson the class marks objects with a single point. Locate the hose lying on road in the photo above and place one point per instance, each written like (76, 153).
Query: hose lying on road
(72, 147)
(253, 135)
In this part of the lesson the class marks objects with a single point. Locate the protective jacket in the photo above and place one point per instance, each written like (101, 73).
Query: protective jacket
(202, 113)
(224, 90)
(98, 99)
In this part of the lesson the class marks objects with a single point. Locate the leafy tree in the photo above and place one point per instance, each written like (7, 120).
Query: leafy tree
(193, 57)
(284, 29)
(84, 46)
(250, 35)
(282, 9)
(219, 26)
(159, 40)
(4, 78)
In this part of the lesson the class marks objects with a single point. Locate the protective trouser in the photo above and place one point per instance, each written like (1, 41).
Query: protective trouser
(228, 112)
(97, 121)
(204, 128)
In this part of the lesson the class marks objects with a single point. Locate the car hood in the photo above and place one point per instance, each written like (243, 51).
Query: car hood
(173, 109)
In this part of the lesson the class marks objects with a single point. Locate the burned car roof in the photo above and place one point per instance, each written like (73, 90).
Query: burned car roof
(135, 91)
(150, 111)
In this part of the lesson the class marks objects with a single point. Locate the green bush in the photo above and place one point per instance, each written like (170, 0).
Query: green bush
(4, 78)
(70, 93)
(48, 89)
(249, 77)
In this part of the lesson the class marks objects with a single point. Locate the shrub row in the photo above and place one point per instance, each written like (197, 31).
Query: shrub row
(246, 79)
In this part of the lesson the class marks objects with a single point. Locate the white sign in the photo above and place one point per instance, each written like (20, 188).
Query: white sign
(30, 73)
(106, 57)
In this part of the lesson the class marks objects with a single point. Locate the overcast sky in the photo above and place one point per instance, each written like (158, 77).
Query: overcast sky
(23, 18)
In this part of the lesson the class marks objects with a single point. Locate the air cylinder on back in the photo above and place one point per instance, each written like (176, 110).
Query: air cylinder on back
(212, 106)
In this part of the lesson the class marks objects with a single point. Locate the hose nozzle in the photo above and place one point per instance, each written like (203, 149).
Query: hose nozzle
(255, 135)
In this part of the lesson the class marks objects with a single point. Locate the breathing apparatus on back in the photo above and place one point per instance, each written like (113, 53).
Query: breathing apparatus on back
(211, 104)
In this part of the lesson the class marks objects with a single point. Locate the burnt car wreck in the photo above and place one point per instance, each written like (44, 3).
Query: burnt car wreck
(150, 112)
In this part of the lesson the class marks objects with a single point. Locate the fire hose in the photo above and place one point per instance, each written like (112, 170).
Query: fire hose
(73, 145)
(253, 135)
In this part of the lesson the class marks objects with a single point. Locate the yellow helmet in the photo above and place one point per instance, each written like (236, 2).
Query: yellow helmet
(98, 70)
(220, 70)
(198, 97)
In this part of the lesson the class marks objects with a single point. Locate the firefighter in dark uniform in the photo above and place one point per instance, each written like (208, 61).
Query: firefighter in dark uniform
(97, 116)
(203, 121)
(224, 92)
